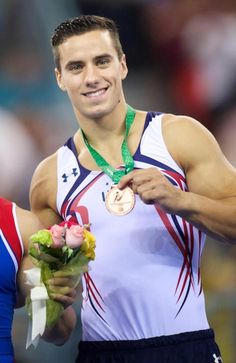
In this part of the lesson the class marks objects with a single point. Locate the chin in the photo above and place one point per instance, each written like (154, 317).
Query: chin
(99, 111)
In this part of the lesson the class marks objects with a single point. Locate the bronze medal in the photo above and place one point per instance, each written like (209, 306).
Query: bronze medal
(120, 202)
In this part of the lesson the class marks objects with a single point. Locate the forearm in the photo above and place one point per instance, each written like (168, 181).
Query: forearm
(61, 331)
(217, 218)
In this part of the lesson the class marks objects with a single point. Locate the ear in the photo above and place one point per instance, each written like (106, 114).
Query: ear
(124, 68)
(59, 79)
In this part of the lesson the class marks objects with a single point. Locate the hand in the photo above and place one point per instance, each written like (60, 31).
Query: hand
(153, 187)
(64, 289)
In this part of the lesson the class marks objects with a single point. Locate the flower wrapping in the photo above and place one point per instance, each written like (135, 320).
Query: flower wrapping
(64, 249)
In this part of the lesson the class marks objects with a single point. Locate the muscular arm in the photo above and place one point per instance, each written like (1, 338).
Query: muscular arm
(210, 203)
(43, 192)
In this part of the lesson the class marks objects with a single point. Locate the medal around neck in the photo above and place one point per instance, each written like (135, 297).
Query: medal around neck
(120, 202)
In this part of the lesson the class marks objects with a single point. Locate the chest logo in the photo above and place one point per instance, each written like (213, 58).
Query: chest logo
(65, 177)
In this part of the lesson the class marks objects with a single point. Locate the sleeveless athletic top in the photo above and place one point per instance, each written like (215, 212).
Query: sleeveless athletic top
(11, 253)
(145, 280)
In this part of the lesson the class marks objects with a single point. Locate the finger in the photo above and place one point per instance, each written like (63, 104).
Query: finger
(147, 193)
(63, 281)
(126, 180)
(64, 299)
(146, 185)
(69, 272)
(148, 197)
(60, 290)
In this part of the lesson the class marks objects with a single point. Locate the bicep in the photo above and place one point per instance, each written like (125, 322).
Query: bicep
(212, 177)
(209, 173)
(43, 192)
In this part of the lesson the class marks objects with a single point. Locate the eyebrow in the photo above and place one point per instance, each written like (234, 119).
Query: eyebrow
(105, 55)
(95, 59)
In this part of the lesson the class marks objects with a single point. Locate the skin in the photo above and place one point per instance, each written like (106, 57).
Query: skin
(92, 76)
(61, 289)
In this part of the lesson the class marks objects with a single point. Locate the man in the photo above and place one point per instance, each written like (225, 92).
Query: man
(151, 185)
(16, 226)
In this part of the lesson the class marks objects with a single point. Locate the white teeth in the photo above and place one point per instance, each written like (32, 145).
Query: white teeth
(94, 94)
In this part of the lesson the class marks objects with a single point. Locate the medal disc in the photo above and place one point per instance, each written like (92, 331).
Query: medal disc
(120, 202)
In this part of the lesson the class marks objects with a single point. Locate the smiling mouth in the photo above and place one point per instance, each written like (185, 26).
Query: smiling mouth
(96, 93)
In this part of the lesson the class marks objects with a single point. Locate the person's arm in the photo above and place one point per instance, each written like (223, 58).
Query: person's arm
(43, 191)
(63, 289)
(28, 224)
(210, 203)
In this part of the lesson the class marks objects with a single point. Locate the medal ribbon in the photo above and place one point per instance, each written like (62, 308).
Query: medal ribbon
(113, 173)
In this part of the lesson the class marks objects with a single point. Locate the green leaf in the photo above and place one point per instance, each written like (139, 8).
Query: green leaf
(33, 251)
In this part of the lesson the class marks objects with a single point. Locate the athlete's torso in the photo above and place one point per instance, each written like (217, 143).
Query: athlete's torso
(11, 253)
(145, 280)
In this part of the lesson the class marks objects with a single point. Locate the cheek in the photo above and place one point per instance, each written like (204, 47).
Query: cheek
(72, 84)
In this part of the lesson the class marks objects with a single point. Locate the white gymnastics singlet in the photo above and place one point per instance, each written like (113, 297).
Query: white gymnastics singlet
(145, 280)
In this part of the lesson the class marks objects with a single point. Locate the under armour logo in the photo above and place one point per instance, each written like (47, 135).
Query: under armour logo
(217, 359)
(65, 177)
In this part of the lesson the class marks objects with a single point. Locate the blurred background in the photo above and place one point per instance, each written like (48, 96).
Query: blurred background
(182, 59)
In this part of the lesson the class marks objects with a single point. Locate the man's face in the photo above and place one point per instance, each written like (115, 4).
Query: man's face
(91, 73)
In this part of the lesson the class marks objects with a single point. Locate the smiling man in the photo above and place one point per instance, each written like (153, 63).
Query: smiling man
(152, 185)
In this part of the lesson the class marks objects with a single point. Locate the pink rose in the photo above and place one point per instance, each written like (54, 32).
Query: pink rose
(74, 236)
(58, 236)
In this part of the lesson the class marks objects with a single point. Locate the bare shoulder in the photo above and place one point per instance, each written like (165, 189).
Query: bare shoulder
(187, 139)
(46, 164)
(183, 125)
(44, 178)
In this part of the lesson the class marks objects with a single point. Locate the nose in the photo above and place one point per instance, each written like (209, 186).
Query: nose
(91, 75)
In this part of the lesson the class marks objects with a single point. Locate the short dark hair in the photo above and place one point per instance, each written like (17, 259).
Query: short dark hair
(80, 25)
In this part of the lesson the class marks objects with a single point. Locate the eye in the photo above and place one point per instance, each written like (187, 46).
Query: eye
(103, 61)
(74, 67)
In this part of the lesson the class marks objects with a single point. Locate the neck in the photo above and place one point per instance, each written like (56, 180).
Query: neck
(108, 128)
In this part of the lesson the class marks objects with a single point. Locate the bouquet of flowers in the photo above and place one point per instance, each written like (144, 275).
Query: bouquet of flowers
(66, 248)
